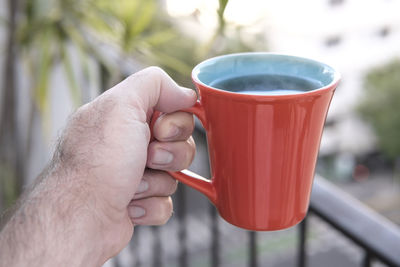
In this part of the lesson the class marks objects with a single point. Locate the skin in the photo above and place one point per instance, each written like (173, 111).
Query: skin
(105, 176)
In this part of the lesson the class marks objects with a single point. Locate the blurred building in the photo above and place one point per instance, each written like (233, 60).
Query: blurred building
(352, 35)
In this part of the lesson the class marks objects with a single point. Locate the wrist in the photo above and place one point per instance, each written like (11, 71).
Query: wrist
(71, 218)
(53, 226)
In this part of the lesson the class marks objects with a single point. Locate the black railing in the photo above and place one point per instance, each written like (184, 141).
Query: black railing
(377, 237)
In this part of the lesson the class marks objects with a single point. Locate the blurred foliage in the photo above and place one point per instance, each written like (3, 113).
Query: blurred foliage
(53, 33)
(8, 187)
(45, 30)
(381, 104)
(140, 30)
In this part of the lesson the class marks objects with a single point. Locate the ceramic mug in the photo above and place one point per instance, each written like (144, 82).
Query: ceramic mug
(262, 148)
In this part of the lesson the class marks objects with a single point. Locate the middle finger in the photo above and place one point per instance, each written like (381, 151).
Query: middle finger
(155, 184)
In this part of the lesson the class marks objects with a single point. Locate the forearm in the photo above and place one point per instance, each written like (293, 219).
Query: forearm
(51, 228)
(82, 212)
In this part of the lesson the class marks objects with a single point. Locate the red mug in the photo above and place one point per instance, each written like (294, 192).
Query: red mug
(263, 147)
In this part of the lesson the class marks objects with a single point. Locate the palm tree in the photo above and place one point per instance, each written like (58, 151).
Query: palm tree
(43, 37)
(11, 177)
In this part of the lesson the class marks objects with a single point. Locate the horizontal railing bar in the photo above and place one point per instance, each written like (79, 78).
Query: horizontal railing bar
(370, 230)
(374, 233)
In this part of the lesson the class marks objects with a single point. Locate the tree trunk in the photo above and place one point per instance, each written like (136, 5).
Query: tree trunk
(11, 171)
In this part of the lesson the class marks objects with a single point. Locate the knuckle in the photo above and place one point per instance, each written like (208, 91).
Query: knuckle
(166, 208)
(147, 132)
(177, 126)
(185, 156)
(155, 70)
(173, 185)
(161, 127)
(187, 124)
(107, 103)
(162, 183)
(191, 151)
(109, 97)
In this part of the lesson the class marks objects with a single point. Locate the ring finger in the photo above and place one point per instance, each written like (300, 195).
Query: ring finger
(155, 184)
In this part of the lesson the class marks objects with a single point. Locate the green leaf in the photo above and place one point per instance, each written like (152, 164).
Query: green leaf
(222, 7)
(8, 184)
(100, 23)
(220, 12)
(126, 10)
(73, 84)
(160, 37)
(171, 62)
(379, 106)
(145, 13)
(41, 86)
(3, 21)
(84, 62)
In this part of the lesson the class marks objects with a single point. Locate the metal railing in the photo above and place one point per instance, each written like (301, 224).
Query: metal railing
(377, 237)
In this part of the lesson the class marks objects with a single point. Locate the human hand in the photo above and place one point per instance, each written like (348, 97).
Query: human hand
(97, 186)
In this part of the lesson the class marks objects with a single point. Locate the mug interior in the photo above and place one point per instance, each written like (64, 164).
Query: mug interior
(213, 70)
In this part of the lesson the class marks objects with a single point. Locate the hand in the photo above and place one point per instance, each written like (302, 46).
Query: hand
(98, 187)
(173, 150)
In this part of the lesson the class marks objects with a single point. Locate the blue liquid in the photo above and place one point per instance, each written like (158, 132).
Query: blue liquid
(271, 92)
(267, 84)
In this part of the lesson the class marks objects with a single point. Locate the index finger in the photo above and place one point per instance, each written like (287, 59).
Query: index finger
(152, 88)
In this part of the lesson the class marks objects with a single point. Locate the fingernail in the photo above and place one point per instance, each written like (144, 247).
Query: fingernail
(162, 157)
(190, 92)
(143, 186)
(136, 212)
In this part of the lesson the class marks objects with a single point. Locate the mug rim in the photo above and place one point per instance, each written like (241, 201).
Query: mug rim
(196, 70)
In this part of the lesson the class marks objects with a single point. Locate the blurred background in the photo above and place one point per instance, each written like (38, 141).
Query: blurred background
(57, 55)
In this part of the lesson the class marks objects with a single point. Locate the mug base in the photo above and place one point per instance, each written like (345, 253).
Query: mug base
(269, 227)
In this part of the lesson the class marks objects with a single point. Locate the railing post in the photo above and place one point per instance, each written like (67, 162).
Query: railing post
(215, 251)
(302, 254)
(253, 260)
(364, 226)
(134, 247)
(157, 261)
(116, 262)
(366, 260)
(182, 232)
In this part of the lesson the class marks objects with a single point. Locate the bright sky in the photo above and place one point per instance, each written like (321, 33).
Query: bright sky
(303, 28)
(312, 15)
(238, 11)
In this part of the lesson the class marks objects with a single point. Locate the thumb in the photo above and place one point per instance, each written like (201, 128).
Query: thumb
(154, 89)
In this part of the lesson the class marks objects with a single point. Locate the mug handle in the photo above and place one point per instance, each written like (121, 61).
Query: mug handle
(187, 177)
